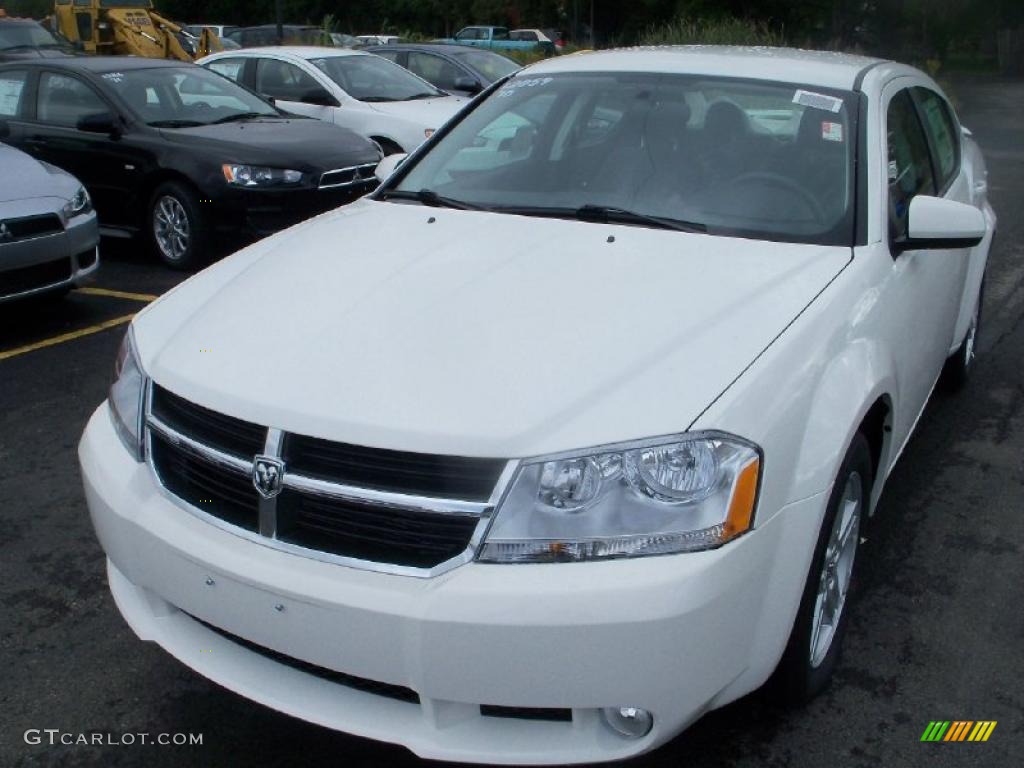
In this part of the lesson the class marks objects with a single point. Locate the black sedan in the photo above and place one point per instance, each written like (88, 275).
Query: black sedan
(28, 39)
(458, 69)
(180, 153)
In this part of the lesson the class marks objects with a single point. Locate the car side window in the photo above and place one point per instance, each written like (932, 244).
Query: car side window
(942, 134)
(283, 81)
(470, 34)
(433, 69)
(389, 55)
(910, 167)
(12, 89)
(230, 68)
(64, 100)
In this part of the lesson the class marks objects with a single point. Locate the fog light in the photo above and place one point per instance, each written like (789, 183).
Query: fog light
(630, 722)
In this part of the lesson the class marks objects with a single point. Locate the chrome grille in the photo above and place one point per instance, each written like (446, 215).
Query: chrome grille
(27, 227)
(417, 514)
(356, 175)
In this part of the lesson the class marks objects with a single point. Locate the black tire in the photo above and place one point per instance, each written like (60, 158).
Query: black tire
(389, 147)
(176, 226)
(806, 668)
(957, 370)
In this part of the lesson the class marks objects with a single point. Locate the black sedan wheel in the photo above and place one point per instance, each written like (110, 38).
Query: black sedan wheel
(176, 226)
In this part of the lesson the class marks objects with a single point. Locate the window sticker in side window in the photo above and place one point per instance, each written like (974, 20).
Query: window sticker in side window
(817, 101)
(10, 96)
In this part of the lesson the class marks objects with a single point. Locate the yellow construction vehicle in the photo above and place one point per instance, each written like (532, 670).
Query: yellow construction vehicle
(128, 28)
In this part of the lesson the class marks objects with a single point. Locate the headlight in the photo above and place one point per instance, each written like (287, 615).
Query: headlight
(673, 494)
(255, 176)
(126, 393)
(79, 203)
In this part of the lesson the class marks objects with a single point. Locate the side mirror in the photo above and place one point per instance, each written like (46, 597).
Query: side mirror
(934, 222)
(319, 98)
(467, 84)
(388, 165)
(101, 122)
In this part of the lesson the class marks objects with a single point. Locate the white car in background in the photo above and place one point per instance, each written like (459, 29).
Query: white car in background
(378, 39)
(539, 456)
(366, 93)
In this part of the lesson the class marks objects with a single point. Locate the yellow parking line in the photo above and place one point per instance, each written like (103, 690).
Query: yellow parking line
(118, 294)
(66, 337)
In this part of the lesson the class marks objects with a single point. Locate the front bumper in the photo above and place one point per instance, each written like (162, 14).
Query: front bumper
(255, 213)
(50, 262)
(676, 635)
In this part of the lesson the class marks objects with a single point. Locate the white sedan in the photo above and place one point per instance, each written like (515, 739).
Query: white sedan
(584, 447)
(365, 93)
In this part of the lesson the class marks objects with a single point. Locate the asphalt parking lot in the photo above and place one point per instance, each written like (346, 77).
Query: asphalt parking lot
(937, 633)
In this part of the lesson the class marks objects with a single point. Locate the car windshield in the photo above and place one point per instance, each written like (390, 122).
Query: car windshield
(372, 78)
(744, 158)
(20, 35)
(493, 66)
(178, 97)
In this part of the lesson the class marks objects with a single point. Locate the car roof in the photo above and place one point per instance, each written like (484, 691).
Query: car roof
(826, 69)
(302, 51)
(448, 48)
(101, 64)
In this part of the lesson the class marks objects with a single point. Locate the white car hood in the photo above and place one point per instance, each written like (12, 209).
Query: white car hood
(429, 113)
(476, 334)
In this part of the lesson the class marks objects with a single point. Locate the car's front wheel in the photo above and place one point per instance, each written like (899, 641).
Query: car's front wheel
(813, 650)
(176, 226)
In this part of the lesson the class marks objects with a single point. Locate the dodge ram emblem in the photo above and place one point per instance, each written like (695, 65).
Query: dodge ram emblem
(267, 473)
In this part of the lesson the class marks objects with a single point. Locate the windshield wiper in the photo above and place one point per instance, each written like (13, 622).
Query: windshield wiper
(430, 198)
(423, 96)
(603, 214)
(242, 116)
(374, 99)
(175, 123)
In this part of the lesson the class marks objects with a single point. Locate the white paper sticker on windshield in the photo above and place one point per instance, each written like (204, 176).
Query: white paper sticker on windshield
(817, 101)
(831, 131)
(522, 82)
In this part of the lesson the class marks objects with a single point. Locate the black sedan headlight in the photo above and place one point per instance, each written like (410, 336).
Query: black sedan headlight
(259, 176)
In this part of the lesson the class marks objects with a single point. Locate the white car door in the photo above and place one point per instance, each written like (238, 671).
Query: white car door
(293, 89)
(925, 287)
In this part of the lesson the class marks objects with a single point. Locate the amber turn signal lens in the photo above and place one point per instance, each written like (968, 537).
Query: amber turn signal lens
(741, 507)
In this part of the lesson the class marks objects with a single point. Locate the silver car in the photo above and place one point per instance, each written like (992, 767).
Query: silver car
(48, 230)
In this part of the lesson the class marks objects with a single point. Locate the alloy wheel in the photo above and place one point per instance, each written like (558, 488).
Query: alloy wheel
(837, 569)
(171, 228)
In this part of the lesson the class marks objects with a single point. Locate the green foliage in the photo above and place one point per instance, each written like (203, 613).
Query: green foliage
(723, 31)
(910, 30)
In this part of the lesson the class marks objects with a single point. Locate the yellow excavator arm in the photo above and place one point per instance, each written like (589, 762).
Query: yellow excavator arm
(107, 29)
